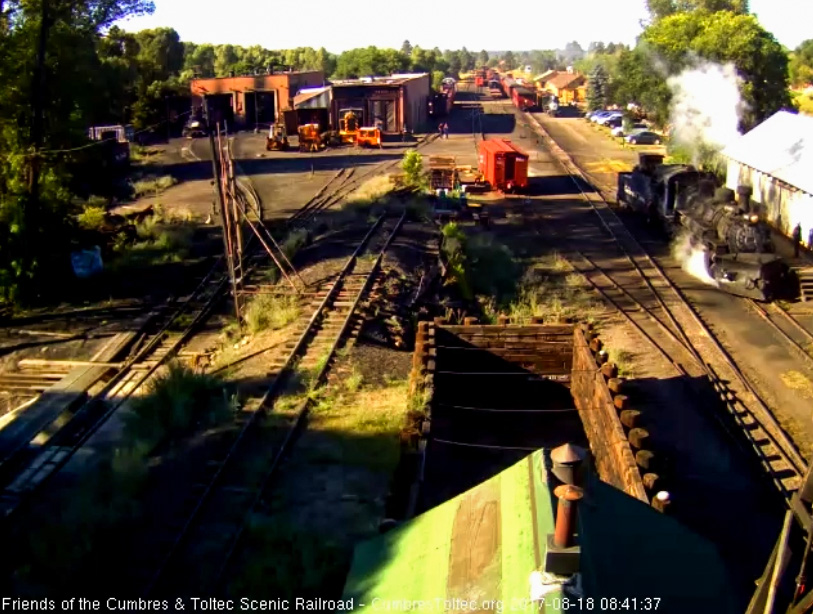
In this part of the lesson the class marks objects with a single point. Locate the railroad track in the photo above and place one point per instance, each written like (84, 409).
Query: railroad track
(29, 470)
(199, 545)
(663, 315)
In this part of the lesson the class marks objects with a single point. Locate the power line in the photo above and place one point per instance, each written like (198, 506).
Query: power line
(95, 143)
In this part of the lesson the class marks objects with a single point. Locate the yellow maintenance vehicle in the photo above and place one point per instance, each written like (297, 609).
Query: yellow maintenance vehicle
(310, 138)
(348, 127)
(277, 139)
(368, 137)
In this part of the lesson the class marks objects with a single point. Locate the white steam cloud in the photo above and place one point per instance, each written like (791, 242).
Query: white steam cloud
(694, 259)
(706, 106)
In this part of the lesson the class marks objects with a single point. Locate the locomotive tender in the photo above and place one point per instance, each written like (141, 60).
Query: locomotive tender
(739, 253)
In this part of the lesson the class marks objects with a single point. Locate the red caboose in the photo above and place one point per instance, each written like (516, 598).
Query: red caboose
(504, 165)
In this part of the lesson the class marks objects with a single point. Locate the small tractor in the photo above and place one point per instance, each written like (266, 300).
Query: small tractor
(348, 127)
(310, 139)
(368, 137)
(276, 140)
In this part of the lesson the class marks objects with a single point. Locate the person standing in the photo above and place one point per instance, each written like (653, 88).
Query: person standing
(445, 130)
(797, 239)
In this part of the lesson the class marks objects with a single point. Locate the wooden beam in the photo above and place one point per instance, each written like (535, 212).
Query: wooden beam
(44, 362)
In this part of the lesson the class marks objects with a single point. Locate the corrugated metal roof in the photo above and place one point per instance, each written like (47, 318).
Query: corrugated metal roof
(309, 94)
(482, 546)
(781, 146)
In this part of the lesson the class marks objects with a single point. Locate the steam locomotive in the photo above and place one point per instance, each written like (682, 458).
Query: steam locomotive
(736, 242)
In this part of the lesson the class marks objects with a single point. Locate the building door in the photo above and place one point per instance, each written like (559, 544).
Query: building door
(510, 163)
(383, 112)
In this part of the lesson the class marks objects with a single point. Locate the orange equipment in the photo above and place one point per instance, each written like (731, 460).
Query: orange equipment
(276, 140)
(503, 165)
(368, 137)
(348, 127)
(310, 139)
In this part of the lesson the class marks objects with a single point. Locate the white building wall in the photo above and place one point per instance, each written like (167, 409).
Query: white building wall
(783, 207)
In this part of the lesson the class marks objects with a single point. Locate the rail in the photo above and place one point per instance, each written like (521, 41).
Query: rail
(300, 349)
(761, 424)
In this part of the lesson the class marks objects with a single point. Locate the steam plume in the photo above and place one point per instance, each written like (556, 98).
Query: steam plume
(706, 106)
(694, 259)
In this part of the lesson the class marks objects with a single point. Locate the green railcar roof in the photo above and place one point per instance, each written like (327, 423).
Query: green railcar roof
(480, 548)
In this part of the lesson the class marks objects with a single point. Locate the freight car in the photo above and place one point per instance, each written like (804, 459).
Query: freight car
(503, 165)
(738, 253)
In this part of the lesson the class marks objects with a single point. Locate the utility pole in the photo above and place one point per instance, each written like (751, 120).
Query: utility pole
(223, 214)
(31, 211)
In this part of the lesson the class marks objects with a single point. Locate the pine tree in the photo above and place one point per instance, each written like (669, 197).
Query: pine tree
(597, 88)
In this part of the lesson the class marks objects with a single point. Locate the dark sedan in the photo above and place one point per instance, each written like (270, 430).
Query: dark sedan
(645, 137)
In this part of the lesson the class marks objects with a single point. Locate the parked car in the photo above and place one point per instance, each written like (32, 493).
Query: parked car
(619, 130)
(593, 117)
(644, 137)
(194, 127)
(602, 121)
(614, 121)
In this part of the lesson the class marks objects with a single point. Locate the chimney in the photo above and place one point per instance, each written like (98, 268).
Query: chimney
(567, 461)
(744, 196)
(562, 555)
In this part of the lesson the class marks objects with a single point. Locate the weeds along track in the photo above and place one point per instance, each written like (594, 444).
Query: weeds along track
(191, 551)
(637, 286)
(162, 335)
(161, 338)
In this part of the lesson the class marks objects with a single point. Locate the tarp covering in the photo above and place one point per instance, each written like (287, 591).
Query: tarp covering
(781, 146)
(480, 548)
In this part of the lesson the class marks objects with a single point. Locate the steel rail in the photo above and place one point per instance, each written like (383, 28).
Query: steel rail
(264, 404)
(304, 408)
(761, 413)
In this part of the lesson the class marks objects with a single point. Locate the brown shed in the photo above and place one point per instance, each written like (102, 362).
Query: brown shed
(252, 100)
(393, 101)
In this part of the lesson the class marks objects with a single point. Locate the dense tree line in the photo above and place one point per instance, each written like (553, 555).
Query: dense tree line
(64, 67)
(682, 33)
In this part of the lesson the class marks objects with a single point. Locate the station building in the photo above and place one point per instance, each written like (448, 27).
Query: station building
(775, 159)
(252, 100)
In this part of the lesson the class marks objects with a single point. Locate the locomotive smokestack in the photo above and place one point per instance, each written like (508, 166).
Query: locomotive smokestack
(744, 197)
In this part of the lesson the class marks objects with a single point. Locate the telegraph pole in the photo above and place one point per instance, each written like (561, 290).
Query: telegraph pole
(223, 214)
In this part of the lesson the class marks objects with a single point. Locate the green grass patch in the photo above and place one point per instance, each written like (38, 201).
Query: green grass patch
(92, 217)
(178, 403)
(152, 186)
(269, 312)
(73, 550)
(552, 291)
(294, 242)
(478, 265)
(622, 359)
(162, 238)
(288, 562)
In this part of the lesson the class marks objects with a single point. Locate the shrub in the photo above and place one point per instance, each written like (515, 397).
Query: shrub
(293, 242)
(266, 311)
(412, 165)
(178, 402)
(91, 218)
(152, 186)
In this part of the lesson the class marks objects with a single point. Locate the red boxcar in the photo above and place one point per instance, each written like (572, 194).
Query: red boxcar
(503, 165)
(523, 98)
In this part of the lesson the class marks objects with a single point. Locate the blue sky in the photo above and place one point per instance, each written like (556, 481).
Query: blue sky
(524, 24)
